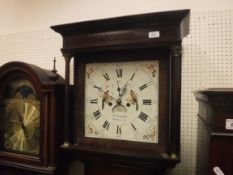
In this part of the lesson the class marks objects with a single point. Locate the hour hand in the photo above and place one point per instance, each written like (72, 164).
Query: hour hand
(118, 89)
(21, 119)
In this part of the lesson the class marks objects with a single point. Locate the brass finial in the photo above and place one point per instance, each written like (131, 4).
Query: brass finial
(53, 75)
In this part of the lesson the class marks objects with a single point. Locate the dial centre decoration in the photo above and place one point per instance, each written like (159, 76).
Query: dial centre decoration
(121, 101)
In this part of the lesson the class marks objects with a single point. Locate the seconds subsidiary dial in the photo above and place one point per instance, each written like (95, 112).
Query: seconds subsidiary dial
(121, 101)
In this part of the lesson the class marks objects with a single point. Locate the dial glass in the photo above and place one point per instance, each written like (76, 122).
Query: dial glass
(121, 101)
(20, 118)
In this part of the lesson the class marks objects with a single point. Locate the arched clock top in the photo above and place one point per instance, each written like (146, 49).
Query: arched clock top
(38, 76)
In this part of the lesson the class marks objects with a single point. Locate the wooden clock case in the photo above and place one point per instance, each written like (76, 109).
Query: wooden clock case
(154, 36)
(50, 94)
(215, 131)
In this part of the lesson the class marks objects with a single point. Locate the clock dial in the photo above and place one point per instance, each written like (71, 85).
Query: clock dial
(121, 101)
(21, 118)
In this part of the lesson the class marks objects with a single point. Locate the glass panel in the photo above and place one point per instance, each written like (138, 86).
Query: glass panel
(20, 118)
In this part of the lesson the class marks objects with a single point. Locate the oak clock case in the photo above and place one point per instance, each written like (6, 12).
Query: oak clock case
(126, 95)
(29, 118)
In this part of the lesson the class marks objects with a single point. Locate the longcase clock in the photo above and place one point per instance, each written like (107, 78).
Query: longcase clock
(125, 116)
(31, 108)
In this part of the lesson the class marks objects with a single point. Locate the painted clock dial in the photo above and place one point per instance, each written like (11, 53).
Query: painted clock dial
(121, 101)
(21, 118)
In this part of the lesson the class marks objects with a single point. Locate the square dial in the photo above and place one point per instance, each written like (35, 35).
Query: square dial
(121, 101)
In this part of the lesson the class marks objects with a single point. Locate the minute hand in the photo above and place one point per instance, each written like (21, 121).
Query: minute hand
(123, 92)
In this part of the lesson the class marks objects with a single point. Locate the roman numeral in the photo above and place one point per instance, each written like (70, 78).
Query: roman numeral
(143, 116)
(132, 76)
(119, 73)
(133, 126)
(118, 130)
(143, 87)
(146, 101)
(97, 114)
(99, 88)
(94, 101)
(106, 125)
(106, 76)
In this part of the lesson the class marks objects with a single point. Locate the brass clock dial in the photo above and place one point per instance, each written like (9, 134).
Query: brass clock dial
(21, 121)
(121, 101)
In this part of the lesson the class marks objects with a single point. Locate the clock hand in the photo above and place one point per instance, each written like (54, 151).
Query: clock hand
(99, 88)
(21, 120)
(20, 116)
(119, 107)
(118, 89)
(124, 89)
(23, 127)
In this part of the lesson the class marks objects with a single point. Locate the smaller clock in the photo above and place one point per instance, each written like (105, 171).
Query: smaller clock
(31, 108)
(21, 118)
